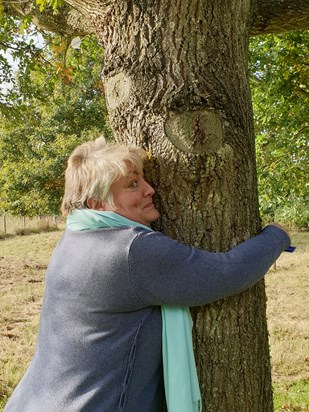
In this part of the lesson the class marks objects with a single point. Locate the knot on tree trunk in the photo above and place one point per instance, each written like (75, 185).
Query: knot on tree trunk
(198, 131)
(117, 90)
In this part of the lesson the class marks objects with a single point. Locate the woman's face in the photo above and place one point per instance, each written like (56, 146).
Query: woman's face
(132, 197)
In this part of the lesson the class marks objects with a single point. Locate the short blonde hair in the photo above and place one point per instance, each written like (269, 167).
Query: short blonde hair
(93, 167)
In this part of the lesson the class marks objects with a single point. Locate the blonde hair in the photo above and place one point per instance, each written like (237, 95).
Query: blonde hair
(93, 167)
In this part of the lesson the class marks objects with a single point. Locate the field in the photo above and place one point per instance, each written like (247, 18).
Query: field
(23, 262)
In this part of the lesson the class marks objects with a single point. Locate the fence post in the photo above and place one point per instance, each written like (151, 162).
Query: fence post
(4, 224)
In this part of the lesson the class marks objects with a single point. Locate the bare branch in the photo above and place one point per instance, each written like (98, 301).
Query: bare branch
(75, 18)
(277, 16)
(66, 21)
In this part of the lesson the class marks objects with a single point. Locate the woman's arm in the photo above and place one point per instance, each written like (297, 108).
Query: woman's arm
(164, 271)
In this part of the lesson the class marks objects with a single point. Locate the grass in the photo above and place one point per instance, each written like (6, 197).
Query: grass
(292, 397)
(23, 262)
(288, 323)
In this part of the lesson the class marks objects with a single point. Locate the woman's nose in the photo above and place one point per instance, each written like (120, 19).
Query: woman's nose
(149, 190)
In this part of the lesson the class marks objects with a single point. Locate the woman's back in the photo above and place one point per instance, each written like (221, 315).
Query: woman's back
(98, 348)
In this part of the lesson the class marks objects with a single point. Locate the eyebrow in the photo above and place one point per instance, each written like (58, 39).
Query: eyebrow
(136, 173)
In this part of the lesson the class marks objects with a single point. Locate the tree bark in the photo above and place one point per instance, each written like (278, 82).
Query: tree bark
(277, 16)
(66, 21)
(176, 83)
(269, 16)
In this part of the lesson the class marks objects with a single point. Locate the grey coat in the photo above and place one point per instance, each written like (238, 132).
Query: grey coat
(99, 341)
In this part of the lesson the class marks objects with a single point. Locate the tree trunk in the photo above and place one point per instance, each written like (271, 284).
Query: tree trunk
(176, 83)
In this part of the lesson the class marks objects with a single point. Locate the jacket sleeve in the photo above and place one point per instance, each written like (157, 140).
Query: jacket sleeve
(164, 271)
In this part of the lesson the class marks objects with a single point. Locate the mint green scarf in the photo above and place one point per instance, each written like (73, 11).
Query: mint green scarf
(182, 390)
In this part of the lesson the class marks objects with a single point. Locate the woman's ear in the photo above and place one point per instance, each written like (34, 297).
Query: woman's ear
(95, 204)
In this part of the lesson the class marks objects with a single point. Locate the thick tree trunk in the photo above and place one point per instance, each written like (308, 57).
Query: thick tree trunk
(176, 83)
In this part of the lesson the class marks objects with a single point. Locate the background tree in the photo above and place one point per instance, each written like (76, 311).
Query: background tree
(176, 82)
(52, 103)
(279, 68)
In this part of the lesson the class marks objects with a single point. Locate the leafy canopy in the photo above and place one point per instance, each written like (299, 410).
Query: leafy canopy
(279, 68)
(54, 102)
(54, 4)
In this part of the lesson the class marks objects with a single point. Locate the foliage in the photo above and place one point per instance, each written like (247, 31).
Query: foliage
(279, 69)
(50, 3)
(55, 102)
(16, 45)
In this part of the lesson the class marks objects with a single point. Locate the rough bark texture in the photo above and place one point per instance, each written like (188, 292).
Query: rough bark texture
(277, 16)
(67, 21)
(176, 83)
(270, 16)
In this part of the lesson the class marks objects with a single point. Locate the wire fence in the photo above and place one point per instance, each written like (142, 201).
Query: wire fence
(10, 224)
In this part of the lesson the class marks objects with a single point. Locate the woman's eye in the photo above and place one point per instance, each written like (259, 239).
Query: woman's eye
(133, 184)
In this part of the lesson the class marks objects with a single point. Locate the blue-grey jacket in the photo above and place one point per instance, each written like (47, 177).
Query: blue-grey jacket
(99, 341)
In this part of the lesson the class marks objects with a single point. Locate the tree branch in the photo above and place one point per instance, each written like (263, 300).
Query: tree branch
(277, 16)
(268, 16)
(66, 21)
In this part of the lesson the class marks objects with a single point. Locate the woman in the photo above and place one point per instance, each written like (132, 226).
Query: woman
(99, 345)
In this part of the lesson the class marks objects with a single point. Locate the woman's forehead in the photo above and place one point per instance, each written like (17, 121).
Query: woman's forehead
(132, 169)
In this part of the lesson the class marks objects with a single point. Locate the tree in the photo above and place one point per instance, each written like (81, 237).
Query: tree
(54, 102)
(280, 87)
(176, 82)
